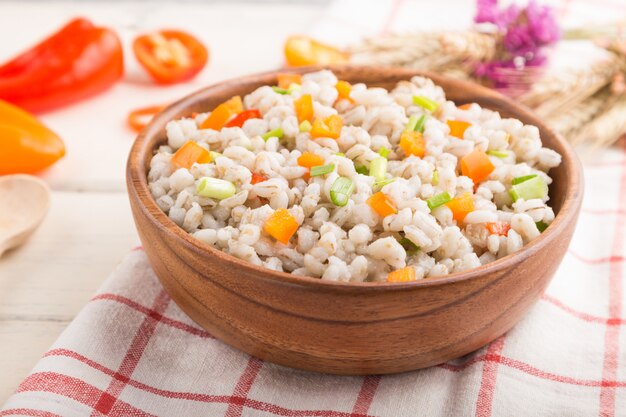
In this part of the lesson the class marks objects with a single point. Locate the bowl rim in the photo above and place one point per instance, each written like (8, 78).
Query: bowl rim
(137, 184)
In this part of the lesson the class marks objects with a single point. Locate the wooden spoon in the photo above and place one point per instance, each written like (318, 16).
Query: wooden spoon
(24, 202)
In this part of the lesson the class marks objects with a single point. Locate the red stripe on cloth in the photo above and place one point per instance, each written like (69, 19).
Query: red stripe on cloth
(611, 337)
(72, 388)
(488, 379)
(595, 261)
(583, 316)
(28, 412)
(107, 400)
(149, 312)
(391, 17)
(366, 396)
(240, 395)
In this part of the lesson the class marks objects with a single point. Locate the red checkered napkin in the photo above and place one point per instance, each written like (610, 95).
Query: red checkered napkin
(132, 352)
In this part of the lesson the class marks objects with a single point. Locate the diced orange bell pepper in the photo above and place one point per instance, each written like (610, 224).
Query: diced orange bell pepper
(402, 275)
(286, 79)
(304, 108)
(465, 106)
(458, 127)
(476, 165)
(308, 160)
(256, 178)
(302, 50)
(190, 153)
(460, 206)
(330, 127)
(382, 204)
(413, 143)
(343, 89)
(498, 228)
(222, 114)
(281, 225)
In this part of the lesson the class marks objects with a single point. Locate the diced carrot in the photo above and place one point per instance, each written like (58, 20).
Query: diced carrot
(382, 204)
(413, 143)
(285, 79)
(498, 228)
(304, 108)
(476, 165)
(458, 127)
(222, 113)
(330, 127)
(460, 206)
(343, 89)
(302, 50)
(256, 178)
(308, 160)
(189, 153)
(281, 225)
(402, 275)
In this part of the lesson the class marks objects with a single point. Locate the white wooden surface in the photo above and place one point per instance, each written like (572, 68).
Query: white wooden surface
(89, 228)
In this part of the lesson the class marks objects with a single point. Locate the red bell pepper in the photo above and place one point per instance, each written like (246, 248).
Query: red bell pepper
(242, 117)
(78, 61)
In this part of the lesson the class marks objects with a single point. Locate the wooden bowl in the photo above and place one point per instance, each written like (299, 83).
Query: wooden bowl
(350, 328)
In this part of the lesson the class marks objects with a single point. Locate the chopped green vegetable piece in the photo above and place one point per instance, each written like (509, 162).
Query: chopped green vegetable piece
(411, 124)
(438, 200)
(280, 90)
(305, 126)
(410, 247)
(361, 169)
(278, 133)
(520, 180)
(214, 155)
(341, 190)
(529, 189)
(293, 87)
(541, 226)
(384, 152)
(435, 180)
(498, 154)
(378, 168)
(215, 188)
(384, 182)
(426, 103)
(420, 124)
(316, 171)
(340, 154)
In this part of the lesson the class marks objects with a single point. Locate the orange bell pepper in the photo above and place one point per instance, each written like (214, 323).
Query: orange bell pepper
(26, 145)
(285, 79)
(302, 50)
(402, 275)
(281, 225)
(343, 89)
(190, 153)
(458, 127)
(222, 113)
(304, 108)
(309, 160)
(382, 204)
(460, 206)
(476, 165)
(413, 143)
(257, 178)
(330, 127)
(498, 228)
(465, 106)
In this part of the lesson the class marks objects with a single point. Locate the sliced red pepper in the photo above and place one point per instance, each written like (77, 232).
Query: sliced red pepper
(256, 178)
(241, 118)
(139, 118)
(78, 61)
(498, 228)
(170, 56)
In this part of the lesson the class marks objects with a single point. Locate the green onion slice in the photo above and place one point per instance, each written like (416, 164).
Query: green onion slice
(410, 247)
(215, 188)
(382, 183)
(305, 126)
(340, 154)
(318, 170)
(438, 200)
(426, 103)
(520, 180)
(498, 154)
(384, 152)
(278, 133)
(531, 188)
(412, 123)
(435, 180)
(280, 90)
(361, 169)
(541, 226)
(341, 190)
(293, 87)
(378, 168)
(214, 155)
